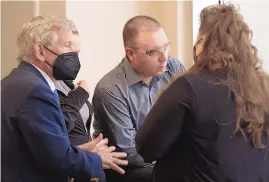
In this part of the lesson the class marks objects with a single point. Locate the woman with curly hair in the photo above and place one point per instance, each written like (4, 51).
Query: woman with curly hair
(211, 123)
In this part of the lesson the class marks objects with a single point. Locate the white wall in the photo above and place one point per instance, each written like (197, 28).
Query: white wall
(99, 25)
(10, 27)
(11, 24)
(255, 14)
(184, 32)
(198, 6)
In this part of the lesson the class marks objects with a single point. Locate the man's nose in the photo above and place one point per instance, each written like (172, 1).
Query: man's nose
(163, 56)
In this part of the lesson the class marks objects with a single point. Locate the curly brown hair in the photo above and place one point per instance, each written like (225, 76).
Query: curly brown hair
(227, 45)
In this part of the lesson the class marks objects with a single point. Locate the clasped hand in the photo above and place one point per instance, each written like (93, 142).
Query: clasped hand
(110, 159)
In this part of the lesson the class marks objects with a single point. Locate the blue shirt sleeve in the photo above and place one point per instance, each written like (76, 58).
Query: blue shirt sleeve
(174, 65)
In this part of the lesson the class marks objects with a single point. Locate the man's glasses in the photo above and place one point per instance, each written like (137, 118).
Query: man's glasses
(155, 52)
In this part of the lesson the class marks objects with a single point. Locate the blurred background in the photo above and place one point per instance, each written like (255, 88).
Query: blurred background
(100, 25)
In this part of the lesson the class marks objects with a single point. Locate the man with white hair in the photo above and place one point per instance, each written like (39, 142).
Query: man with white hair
(35, 144)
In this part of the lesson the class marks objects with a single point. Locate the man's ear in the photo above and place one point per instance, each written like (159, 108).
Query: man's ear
(39, 52)
(129, 53)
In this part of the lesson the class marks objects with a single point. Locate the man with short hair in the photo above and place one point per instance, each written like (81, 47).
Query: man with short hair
(34, 139)
(124, 96)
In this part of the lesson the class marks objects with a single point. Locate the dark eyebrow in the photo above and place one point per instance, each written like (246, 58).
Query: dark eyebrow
(75, 32)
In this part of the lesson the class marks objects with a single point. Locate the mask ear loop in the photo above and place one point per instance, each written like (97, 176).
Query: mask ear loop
(51, 52)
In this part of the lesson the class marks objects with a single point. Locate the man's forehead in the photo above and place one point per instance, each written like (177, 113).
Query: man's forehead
(68, 36)
(67, 41)
(152, 39)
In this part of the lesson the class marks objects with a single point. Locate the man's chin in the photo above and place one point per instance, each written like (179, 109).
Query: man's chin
(160, 73)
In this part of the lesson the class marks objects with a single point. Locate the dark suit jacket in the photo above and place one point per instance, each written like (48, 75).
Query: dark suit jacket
(35, 145)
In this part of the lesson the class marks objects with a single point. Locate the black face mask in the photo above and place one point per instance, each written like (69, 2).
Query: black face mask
(66, 66)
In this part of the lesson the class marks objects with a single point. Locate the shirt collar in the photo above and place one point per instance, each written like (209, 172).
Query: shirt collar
(131, 76)
(47, 78)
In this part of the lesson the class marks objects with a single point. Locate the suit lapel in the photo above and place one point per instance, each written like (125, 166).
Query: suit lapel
(30, 68)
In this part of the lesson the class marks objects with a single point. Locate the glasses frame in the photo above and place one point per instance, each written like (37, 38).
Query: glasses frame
(160, 50)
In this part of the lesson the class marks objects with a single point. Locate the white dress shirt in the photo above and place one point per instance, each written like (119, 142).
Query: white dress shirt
(47, 78)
